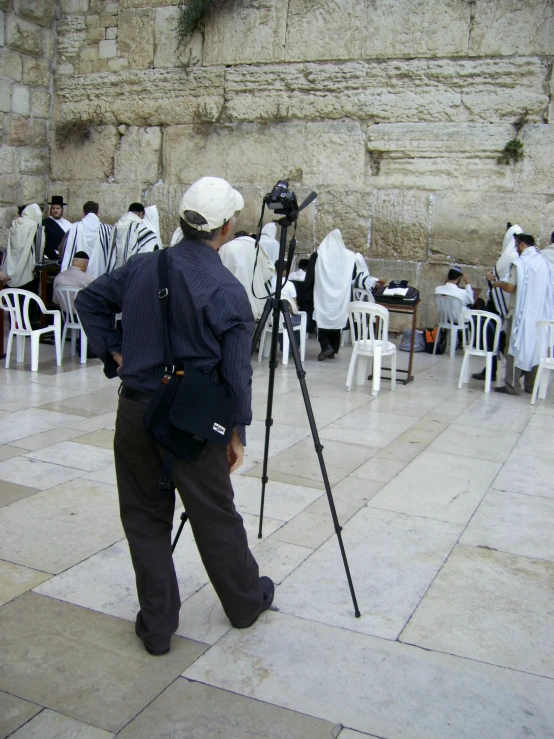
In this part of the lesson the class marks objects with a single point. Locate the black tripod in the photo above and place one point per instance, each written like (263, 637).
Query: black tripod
(281, 307)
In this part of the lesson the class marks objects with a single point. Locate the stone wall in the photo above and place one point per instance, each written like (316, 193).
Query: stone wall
(395, 111)
(27, 50)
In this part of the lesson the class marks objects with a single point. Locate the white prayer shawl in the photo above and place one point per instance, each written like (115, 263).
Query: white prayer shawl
(129, 237)
(239, 256)
(152, 221)
(178, 236)
(63, 223)
(269, 242)
(25, 242)
(91, 236)
(548, 253)
(502, 300)
(363, 279)
(333, 279)
(534, 302)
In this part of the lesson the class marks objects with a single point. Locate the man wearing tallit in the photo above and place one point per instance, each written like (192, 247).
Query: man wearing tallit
(24, 248)
(268, 239)
(240, 256)
(130, 236)
(334, 269)
(532, 280)
(91, 236)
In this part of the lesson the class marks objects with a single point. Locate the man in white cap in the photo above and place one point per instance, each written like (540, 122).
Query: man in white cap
(210, 329)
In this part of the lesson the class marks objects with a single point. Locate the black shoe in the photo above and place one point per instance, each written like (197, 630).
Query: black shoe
(506, 390)
(153, 652)
(268, 591)
(327, 353)
(481, 376)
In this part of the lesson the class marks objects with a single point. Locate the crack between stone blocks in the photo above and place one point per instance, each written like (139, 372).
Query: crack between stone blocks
(472, 9)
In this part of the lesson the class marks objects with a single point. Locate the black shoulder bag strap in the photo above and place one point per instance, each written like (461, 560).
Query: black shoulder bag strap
(166, 484)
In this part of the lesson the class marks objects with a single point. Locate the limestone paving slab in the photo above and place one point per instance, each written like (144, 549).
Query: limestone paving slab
(77, 456)
(282, 501)
(437, 485)
(466, 441)
(8, 451)
(376, 686)
(365, 426)
(306, 529)
(349, 495)
(101, 438)
(514, 523)
(393, 559)
(15, 580)
(492, 607)
(536, 442)
(498, 412)
(51, 725)
(14, 712)
(55, 529)
(11, 491)
(106, 475)
(97, 403)
(190, 709)
(46, 438)
(58, 655)
(376, 469)
(32, 421)
(37, 474)
(527, 475)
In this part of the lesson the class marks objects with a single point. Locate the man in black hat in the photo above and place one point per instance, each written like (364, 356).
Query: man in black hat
(55, 227)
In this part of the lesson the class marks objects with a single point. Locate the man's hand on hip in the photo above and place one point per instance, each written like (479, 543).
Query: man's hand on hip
(235, 451)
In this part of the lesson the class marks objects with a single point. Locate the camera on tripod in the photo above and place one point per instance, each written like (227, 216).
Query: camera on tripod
(282, 200)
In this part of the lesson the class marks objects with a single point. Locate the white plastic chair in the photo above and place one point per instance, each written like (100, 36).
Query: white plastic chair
(545, 338)
(373, 341)
(17, 303)
(359, 295)
(475, 343)
(266, 334)
(451, 318)
(72, 322)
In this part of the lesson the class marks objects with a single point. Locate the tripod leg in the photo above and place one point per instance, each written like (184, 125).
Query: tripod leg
(184, 518)
(319, 449)
(261, 324)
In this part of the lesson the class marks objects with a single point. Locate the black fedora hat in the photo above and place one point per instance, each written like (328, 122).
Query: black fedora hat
(57, 200)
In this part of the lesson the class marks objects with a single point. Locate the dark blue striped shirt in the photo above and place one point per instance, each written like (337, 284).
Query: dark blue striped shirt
(210, 321)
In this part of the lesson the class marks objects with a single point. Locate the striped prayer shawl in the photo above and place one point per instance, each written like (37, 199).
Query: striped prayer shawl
(126, 241)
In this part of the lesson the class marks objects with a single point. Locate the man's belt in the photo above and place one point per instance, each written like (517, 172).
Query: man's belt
(139, 396)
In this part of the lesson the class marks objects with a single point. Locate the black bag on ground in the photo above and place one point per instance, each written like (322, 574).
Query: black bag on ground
(188, 410)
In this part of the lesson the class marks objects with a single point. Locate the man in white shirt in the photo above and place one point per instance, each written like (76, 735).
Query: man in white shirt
(288, 292)
(452, 287)
(74, 276)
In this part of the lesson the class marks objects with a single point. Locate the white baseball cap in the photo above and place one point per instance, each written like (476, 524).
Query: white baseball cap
(214, 199)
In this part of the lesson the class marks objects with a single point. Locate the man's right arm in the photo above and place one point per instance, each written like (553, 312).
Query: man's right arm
(97, 305)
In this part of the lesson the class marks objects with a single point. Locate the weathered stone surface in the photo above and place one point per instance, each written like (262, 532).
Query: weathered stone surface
(5, 96)
(74, 6)
(506, 27)
(146, 3)
(33, 160)
(111, 33)
(417, 90)
(9, 188)
(91, 160)
(5, 4)
(135, 37)
(167, 199)
(247, 32)
(8, 160)
(114, 199)
(72, 36)
(547, 225)
(35, 72)
(146, 97)
(346, 209)
(138, 156)
(48, 44)
(21, 100)
(400, 222)
(334, 154)
(536, 173)
(10, 64)
(107, 49)
(32, 189)
(468, 227)
(167, 52)
(2, 28)
(40, 11)
(439, 155)
(345, 29)
(23, 35)
(25, 131)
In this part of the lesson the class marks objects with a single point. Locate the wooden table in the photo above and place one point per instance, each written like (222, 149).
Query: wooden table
(409, 310)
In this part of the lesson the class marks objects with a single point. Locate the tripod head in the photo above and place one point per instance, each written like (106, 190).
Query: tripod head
(282, 201)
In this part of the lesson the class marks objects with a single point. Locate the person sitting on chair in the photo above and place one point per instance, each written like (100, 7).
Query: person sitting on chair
(288, 292)
(452, 287)
(74, 276)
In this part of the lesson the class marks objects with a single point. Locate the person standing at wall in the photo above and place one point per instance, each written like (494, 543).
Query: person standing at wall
(210, 328)
(129, 237)
(88, 235)
(240, 257)
(55, 227)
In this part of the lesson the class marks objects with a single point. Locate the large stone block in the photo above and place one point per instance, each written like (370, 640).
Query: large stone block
(8, 160)
(70, 7)
(167, 51)
(91, 159)
(334, 154)
(400, 221)
(468, 227)
(381, 29)
(393, 91)
(72, 36)
(10, 64)
(25, 131)
(23, 35)
(49, 44)
(32, 189)
(507, 27)
(249, 32)
(9, 189)
(21, 100)
(35, 72)
(135, 37)
(146, 3)
(5, 4)
(547, 225)
(2, 28)
(40, 11)
(33, 160)
(347, 209)
(536, 173)
(138, 156)
(113, 199)
(167, 199)
(439, 155)
(5, 96)
(145, 97)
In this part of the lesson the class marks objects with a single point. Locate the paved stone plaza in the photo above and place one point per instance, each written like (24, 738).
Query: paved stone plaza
(447, 502)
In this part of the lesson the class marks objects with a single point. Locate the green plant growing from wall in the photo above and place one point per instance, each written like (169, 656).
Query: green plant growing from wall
(192, 14)
(514, 151)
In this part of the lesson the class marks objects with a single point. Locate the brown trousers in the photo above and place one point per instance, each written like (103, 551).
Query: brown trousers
(147, 517)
